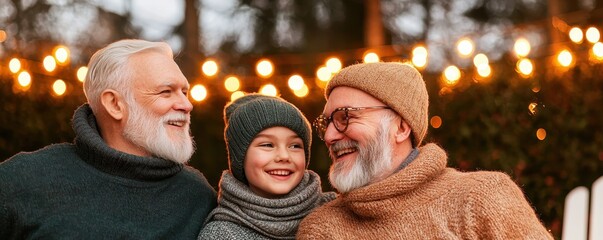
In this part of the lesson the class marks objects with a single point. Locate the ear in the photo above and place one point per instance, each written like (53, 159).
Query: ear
(113, 104)
(403, 132)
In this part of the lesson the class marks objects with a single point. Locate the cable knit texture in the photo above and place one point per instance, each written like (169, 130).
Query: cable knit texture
(88, 190)
(426, 200)
(241, 214)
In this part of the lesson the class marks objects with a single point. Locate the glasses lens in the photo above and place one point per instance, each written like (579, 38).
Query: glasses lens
(321, 126)
(340, 119)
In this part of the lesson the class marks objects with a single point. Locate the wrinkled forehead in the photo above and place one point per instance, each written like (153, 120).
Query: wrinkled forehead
(344, 96)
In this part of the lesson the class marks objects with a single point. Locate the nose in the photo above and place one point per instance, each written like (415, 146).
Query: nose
(183, 103)
(282, 154)
(331, 134)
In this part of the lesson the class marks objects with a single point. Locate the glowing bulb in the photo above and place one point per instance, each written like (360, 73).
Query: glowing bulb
(541, 134)
(598, 50)
(576, 35)
(522, 47)
(59, 87)
(14, 65)
(334, 64)
(232, 84)
(465, 47)
(323, 74)
(480, 59)
(370, 57)
(436, 122)
(81, 73)
(198, 92)
(268, 90)
(296, 82)
(24, 79)
(61, 53)
(592, 34)
(210, 68)
(264, 68)
(236, 95)
(419, 56)
(525, 67)
(565, 58)
(484, 70)
(49, 63)
(302, 92)
(452, 74)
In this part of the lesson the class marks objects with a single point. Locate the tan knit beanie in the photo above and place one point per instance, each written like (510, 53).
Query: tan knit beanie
(400, 86)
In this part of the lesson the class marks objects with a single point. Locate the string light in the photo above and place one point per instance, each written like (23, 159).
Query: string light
(323, 74)
(565, 58)
(24, 79)
(302, 92)
(465, 47)
(59, 87)
(522, 47)
(370, 57)
(334, 64)
(597, 50)
(232, 84)
(2, 36)
(209, 68)
(81, 73)
(480, 59)
(264, 68)
(452, 74)
(296, 82)
(61, 53)
(436, 122)
(541, 134)
(525, 67)
(419, 57)
(268, 90)
(484, 70)
(49, 63)
(592, 35)
(198, 92)
(236, 95)
(576, 35)
(14, 65)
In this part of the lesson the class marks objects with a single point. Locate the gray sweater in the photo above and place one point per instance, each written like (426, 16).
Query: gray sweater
(241, 214)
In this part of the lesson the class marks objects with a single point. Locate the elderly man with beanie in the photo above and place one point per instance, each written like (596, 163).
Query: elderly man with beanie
(392, 186)
(267, 190)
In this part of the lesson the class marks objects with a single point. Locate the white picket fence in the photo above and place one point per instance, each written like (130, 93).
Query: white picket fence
(576, 223)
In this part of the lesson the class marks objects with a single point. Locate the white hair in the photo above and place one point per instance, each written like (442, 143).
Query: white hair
(108, 68)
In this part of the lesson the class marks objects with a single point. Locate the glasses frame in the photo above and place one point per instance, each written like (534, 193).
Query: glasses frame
(321, 123)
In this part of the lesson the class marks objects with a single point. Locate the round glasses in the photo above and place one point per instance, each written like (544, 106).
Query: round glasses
(340, 119)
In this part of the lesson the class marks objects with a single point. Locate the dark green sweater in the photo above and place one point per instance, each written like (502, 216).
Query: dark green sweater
(87, 190)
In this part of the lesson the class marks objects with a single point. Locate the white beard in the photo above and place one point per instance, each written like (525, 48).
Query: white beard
(148, 132)
(371, 163)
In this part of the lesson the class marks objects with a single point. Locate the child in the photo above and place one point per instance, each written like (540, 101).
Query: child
(267, 191)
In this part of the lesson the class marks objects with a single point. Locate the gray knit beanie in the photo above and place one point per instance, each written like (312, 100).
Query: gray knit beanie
(249, 115)
(398, 85)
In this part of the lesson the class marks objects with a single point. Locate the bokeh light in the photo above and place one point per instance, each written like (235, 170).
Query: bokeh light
(302, 92)
(565, 58)
(59, 87)
(522, 47)
(268, 90)
(334, 64)
(593, 35)
(576, 35)
(49, 63)
(436, 122)
(323, 74)
(2, 36)
(525, 67)
(480, 59)
(370, 57)
(484, 70)
(452, 74)
(597, 50)
(81, 73)
(14, 65)
(465, 47)
(419, 57)
(541, 134)
(198, 92)
(264, 68)
(236, 95)
(61, 53)
(210, 68)
(24, 79)
(232, 84)
(295, 82)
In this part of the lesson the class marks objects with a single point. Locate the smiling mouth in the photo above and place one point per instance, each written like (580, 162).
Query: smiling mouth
(280, 172)
(176, 123)
(342, 152)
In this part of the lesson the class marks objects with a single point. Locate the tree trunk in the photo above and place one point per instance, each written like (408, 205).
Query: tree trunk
(373, 25)
(189, 59)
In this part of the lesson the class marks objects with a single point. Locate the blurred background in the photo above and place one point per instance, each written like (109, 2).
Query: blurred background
(515, 86)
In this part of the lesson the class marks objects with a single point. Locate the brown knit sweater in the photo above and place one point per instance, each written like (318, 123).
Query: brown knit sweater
(426, 200)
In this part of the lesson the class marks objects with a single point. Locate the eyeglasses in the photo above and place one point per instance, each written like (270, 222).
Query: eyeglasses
(340, 119)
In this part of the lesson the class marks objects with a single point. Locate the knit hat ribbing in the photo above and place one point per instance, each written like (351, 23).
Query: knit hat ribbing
(400, 86)
(249, 115)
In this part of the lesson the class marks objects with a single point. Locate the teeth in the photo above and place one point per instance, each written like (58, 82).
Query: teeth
(280, 172)
(344, 151)
(176, 123)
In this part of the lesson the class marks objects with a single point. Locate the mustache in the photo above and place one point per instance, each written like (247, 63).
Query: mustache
(340, 145)
(176, 116)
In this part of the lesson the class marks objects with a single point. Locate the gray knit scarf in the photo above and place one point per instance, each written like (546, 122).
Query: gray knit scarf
(274, 218)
